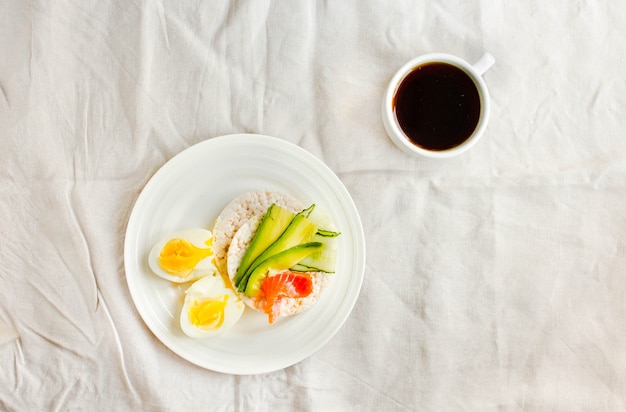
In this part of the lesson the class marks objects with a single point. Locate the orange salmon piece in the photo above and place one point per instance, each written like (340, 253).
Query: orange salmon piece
(284, 285)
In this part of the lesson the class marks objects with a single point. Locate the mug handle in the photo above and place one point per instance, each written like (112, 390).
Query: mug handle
(484, 63)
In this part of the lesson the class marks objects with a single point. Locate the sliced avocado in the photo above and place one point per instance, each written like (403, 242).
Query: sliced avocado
(300, 230)
(281, 261)
(323, 260)
(273, 224)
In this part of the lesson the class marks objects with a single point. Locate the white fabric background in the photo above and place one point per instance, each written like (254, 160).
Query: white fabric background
(494, 281)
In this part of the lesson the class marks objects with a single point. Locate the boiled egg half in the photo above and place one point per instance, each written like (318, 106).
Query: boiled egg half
(184, 256)
(210, 308)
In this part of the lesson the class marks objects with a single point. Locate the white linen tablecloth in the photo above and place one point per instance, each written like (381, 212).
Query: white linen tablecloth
(494, 281)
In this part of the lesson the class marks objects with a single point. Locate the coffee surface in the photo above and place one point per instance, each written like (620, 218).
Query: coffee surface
(437, 106)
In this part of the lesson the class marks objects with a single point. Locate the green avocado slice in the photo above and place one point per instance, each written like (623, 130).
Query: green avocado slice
(273, 224)
(281, 261)
(299, 231)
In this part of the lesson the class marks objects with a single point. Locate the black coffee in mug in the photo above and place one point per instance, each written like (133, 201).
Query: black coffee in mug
(437, 106)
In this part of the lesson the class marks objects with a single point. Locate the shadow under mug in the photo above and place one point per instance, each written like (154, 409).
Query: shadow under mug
(389, 109)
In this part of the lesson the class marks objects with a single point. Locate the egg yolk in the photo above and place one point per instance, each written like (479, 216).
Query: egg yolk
(179, 257)
(208, 314)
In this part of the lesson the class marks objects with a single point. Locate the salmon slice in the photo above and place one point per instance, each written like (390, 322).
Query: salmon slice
(284, 285)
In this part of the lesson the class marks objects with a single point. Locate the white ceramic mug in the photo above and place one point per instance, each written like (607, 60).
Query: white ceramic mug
(474, 71)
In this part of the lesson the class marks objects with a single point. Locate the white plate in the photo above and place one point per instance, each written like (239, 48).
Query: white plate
(189, 191)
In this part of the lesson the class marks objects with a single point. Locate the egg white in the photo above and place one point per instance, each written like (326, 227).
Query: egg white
(197, 237)
(211, 287)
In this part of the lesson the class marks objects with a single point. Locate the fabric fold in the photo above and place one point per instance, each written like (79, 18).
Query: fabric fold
(7, 333)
